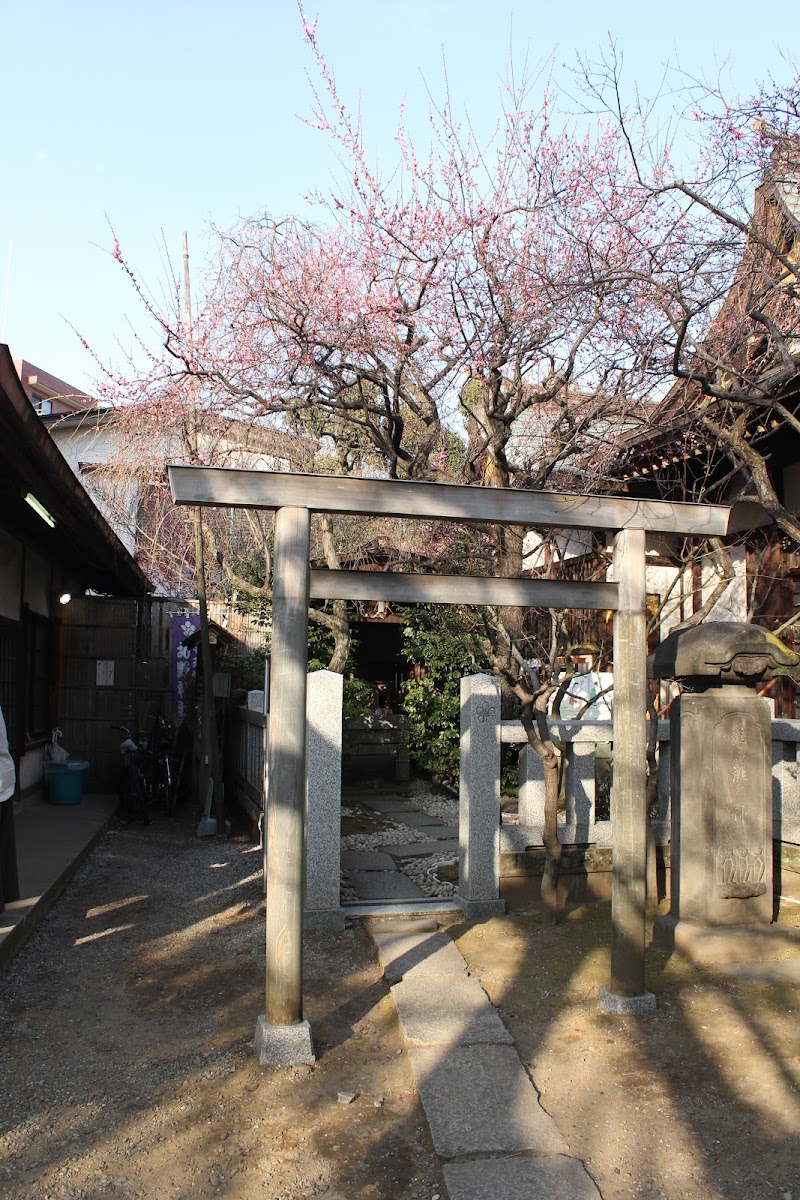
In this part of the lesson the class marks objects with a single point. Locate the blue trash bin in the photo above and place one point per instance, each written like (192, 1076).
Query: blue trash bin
(65, 781)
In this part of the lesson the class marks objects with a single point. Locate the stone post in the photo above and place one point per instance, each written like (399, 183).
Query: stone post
(531, 787)
(627, 992)
(721, 852)
(479, 799)
(324, 801)
(580, 786)
(282, 1036)
(721, 763)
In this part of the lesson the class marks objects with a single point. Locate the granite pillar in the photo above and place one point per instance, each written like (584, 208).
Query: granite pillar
(721, 755)
(479, 798)
(323, 802)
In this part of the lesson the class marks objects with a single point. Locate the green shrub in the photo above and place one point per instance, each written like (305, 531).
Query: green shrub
(440, 645)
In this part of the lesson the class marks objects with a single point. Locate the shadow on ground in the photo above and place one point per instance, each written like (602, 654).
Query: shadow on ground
(127, 1070)
(126, 1061)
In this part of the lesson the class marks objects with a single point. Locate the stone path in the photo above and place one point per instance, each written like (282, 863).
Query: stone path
(486, 1122)
(374, 875)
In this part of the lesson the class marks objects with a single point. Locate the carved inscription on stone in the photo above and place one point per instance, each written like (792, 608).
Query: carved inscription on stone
(739, 836)
(740, 872)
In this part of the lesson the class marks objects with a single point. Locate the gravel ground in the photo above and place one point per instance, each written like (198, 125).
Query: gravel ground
(126, 1062)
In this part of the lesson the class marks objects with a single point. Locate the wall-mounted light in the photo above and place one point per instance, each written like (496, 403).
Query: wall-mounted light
(65, 598)
(40, 510)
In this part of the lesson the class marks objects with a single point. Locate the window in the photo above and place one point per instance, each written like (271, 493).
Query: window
(42, 406)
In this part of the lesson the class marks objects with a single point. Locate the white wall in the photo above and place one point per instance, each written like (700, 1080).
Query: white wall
(732, 605)
(569, 543)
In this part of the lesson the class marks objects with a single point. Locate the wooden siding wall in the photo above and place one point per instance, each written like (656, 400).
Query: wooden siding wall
(137, 638)
(97, 629)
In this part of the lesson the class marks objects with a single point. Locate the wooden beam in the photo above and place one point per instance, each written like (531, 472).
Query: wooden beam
(461, 589)
(235, 488)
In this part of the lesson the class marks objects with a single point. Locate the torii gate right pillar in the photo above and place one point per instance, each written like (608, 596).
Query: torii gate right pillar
(627, 992)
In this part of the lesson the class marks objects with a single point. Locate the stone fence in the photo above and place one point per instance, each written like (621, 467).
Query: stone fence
(587, 747)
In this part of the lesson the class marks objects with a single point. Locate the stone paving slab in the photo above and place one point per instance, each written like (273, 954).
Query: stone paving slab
(420, 820)
(552, 1178)
(446, 1010)
(442, 832)
(388, 806)
(366, 860)
(416, 849)
(405, 954)
(478, 1099)
(383, 885)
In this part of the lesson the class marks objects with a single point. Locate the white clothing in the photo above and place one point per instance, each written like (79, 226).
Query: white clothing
(8, 776)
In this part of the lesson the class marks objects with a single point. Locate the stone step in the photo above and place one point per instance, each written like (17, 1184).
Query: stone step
(366, 860)
(443, 911)
(447, 1010)
(418, 849)
(417, 952)
(479, 1100)
(555, 1177)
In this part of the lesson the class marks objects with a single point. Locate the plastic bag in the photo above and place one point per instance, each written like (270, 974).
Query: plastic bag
(55, 751)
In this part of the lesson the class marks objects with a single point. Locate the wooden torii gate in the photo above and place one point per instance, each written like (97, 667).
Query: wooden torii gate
(283, 1035)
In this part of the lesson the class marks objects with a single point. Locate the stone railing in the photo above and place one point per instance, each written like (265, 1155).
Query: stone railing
(786, 781)
(587, 746)
(482, 837)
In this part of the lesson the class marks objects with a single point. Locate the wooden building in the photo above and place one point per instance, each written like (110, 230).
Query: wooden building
(54, 548)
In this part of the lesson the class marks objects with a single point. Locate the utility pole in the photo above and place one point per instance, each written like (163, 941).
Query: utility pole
(206, 664)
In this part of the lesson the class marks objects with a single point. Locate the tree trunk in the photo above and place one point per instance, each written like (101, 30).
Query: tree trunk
(539, 738)
(552, 846)
(341, 638)
(653, 769)
(341, 624)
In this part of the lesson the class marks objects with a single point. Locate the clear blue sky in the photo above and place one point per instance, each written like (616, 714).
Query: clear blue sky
(154, 117)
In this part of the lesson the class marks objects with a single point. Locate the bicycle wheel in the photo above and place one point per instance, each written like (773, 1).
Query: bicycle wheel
(139, 796)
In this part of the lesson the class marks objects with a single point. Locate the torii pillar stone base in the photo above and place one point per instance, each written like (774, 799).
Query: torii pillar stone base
(284, 1045)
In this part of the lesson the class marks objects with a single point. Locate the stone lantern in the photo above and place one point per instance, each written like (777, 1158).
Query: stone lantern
(720, 773)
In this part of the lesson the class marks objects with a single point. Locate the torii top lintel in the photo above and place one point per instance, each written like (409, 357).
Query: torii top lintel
(220, 487)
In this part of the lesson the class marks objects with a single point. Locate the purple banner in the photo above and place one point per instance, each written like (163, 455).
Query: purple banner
(184, 661)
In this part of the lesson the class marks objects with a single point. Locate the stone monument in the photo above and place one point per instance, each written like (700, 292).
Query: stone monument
(720, 774)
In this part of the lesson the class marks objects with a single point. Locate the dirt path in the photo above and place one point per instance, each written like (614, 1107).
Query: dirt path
(700, 1101)
(126, 1065)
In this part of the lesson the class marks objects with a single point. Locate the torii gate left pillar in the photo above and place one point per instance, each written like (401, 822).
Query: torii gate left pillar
(282, 1033)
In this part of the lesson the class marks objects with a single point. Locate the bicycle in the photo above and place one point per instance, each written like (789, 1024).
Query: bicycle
(134, 791)
(165, 778)
(149, 772)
